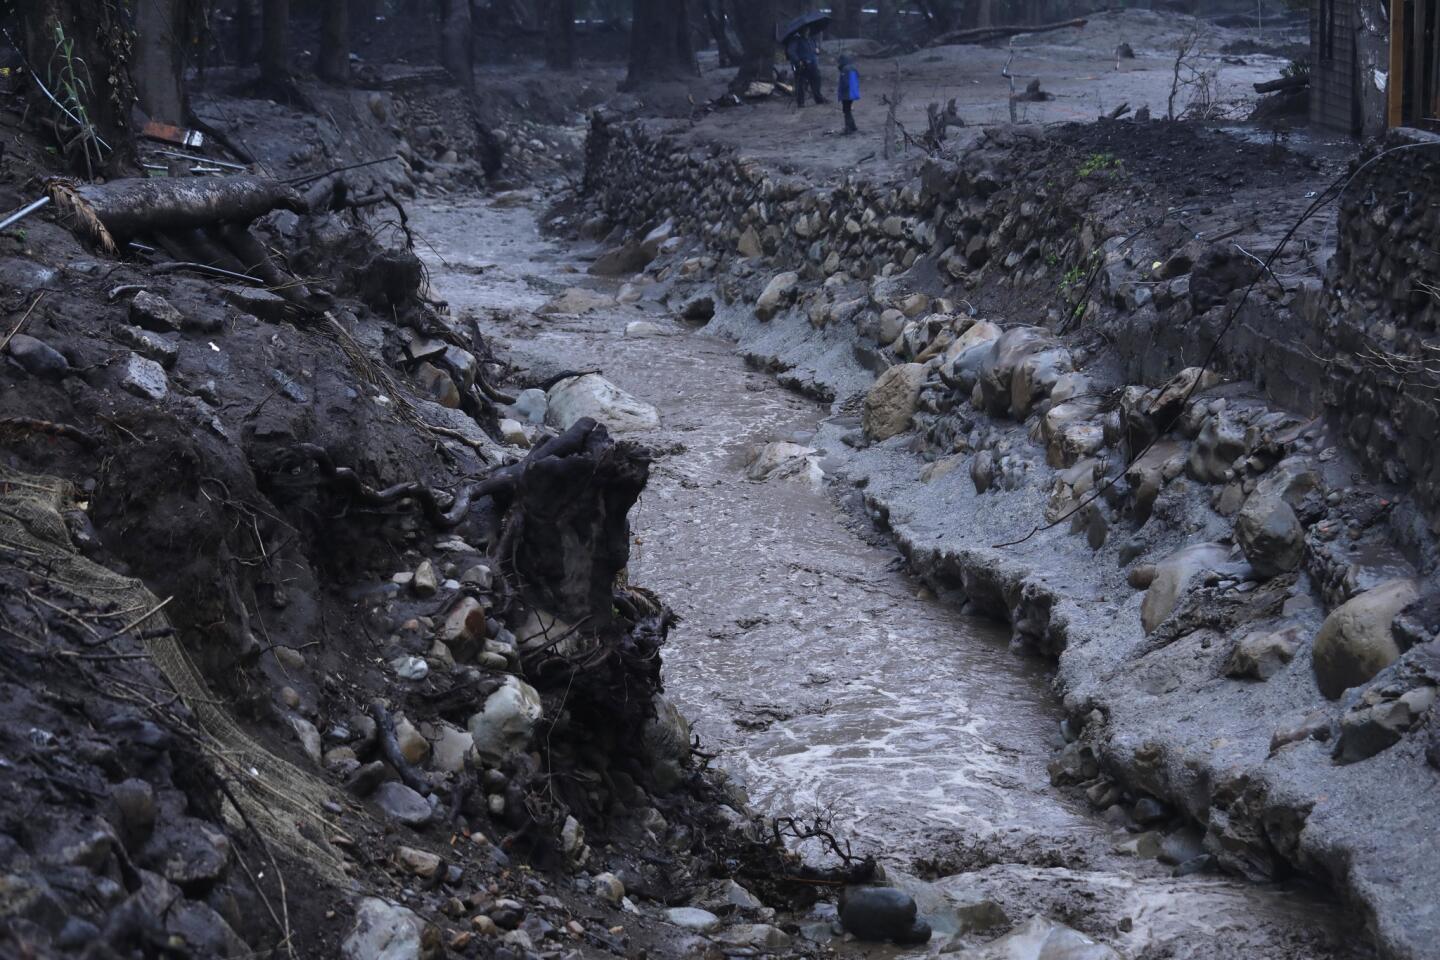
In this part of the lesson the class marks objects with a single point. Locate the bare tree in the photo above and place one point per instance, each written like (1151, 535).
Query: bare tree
(560, 34)
(334, 63)
(660, 42)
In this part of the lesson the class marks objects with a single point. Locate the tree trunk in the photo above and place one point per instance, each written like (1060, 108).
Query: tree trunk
(660, 42)
(275, 43)
(362, 17)
(247, 32)
(715, 19)
(847, 18)
(457, 43)
(159, 59)
(560, 34)
(334, 62)
(755, 22)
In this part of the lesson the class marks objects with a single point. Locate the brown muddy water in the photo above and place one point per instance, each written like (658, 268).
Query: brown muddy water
(815, 667)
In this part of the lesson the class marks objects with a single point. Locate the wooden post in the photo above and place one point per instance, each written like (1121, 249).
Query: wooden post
(1395, 82)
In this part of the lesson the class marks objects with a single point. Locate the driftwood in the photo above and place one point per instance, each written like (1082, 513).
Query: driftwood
(1283, 83)
(132, 207)
(986, 34)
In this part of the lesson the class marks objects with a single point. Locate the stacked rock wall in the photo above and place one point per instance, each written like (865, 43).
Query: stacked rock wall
(1006, 220)
(1383, 315)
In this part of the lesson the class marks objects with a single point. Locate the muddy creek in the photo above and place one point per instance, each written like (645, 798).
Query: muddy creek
(817, 670)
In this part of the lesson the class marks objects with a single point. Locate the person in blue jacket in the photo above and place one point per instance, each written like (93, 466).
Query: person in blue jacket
(804, 55)
(849, 92)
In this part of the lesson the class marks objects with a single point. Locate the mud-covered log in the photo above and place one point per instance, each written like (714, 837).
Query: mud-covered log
(131, 207)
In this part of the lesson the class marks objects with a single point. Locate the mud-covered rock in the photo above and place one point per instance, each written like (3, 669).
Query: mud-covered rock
(890, 404)
(1379, 720)
(383, 931)
(997, 369)
(37, 357)
(507, 720)
(1177, 575)
(402, 804)
(1042, 939)
(1270, 534)
(576, 300)
(144, 378)
(1262, 654)
(1220, 442)
(778, 293)
(595, 397)
(693, 918)
(1356, 641)
(151, 311)
(883, 914)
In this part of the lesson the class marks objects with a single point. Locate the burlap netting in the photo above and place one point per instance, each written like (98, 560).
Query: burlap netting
(280, 800)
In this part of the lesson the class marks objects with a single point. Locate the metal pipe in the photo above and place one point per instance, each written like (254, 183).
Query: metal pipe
(23, 212)
(190, 156)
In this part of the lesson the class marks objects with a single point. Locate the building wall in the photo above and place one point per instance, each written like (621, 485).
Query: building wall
(1348, 59)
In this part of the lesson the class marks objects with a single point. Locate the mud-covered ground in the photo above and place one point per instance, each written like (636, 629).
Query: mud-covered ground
(280, 660)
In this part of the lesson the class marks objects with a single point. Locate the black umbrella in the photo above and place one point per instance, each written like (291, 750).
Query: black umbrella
(813, 22)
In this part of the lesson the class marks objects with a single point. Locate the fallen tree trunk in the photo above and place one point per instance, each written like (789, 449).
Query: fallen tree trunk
(1283, 83)
(131, 207)
(986, 34)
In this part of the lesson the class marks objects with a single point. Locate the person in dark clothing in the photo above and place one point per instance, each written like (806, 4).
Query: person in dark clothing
(804, 56)
(849, 92)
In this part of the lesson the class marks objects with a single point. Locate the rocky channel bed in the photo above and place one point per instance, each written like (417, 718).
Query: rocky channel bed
(1243, 625)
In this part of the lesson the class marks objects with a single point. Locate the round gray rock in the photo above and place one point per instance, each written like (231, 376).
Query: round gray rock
(1355, 642)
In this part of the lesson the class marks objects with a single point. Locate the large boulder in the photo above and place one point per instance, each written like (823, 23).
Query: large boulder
(593, 396)
(1268, 526)
(1220, 443)
(507, 721)
(883, 914)
(1041, 939)
(1270, 534)
(997, 369)
(783, 459)
(1356, 641)
(383, 931)
(890, 404)
(1035, 376)
(778, 293)
(1176, 575)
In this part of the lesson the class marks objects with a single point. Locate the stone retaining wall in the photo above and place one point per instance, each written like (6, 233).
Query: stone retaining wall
(1382, 314)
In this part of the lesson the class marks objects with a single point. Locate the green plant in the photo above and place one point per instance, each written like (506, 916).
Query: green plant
(72, 88)
(1072, 276)
(1097, 162)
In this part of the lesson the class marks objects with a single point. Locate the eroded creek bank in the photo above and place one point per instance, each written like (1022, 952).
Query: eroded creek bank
(822, 674)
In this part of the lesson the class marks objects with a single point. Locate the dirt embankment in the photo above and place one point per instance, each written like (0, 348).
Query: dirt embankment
(305, 652)
(1242, 623)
